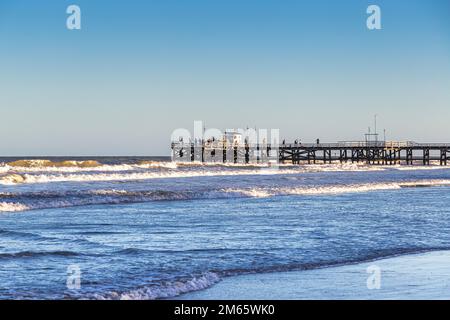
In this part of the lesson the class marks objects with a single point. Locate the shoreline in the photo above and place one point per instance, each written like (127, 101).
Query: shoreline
(411, 276)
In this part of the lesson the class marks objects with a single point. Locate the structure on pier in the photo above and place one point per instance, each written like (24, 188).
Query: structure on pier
(371, 152)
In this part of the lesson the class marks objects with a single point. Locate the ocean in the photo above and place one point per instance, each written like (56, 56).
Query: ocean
(147, 228)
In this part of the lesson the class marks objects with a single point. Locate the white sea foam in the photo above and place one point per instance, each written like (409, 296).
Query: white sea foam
(419, 168)
(81, 174)
(4, 168)
(106, 168)
(40, 171)
(254, 193)
(94, 197)
(157, 164)
(333, 189)
(112, 196)
(46, 166)
(319, 190)
(62, 177)
(166, 290)
(13, 207)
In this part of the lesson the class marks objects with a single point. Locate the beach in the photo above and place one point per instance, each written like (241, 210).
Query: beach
(418, 276)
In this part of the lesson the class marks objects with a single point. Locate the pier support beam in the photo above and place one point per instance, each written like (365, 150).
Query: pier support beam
(247, 153)
(409, 156)
(343, 155)
(327, 156)
(426, 156)
(445, 156)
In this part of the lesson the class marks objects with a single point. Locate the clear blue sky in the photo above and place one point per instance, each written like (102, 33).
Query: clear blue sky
(139, 69)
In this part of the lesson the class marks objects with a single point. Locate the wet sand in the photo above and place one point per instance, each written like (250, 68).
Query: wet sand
(417, 276)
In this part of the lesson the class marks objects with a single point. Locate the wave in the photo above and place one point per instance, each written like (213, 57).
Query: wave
(138, 172)
(337, 189)
(6, 169)
(263, 193)
(434, 165)
(157, 164)
(87, 166)
(46, 171)
(11, 178)
(166, 290)
(13, 207)
(32, 254)
(47, 200)
(15, 178)
(42, 171)
(31, 166)
(27, 235)
(49, 163)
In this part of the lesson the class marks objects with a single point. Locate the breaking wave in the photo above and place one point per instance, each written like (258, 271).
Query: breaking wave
(337, 189)
(48, 200)
(167, 290)
(151, 171)
(54, 164)
(14, 202)
(13, 207)
(73, 166)
(47, 171)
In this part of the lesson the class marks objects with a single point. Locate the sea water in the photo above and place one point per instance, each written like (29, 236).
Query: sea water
(142, 228)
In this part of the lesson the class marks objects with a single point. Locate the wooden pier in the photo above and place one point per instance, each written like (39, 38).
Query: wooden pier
(374, 153)
(382, 153)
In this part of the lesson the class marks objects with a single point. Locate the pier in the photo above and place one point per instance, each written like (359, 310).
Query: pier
(382, 153)
(373, 153)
